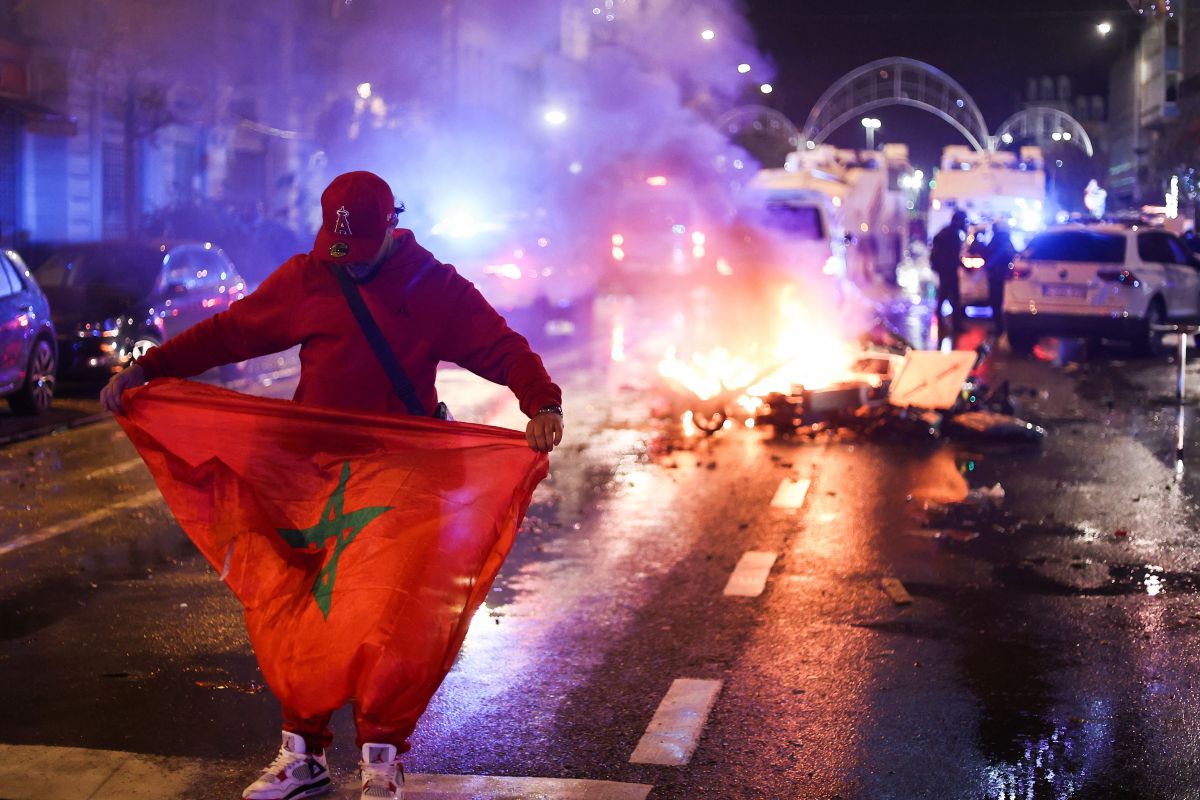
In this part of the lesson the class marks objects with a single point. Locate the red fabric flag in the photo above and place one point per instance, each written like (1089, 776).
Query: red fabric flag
(360, 545)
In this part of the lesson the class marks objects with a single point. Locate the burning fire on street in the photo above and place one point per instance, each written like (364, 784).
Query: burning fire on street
(804, 350)
(814, 376)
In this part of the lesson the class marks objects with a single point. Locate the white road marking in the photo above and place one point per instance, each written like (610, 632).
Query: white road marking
(895, 590)
(469, 787)
(675, 729)
(749, 578)
(115, 469)
(50, 531)
(791, 493)
(30, 772)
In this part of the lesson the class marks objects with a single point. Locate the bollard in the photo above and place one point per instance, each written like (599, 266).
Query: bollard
(1179, 439)
(1183, 337)
(1184, 330)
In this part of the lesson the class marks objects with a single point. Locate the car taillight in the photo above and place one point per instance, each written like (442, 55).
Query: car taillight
(1123, 277)
(1020, 273)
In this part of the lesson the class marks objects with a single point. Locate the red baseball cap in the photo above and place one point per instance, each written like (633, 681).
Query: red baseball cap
(356, 209)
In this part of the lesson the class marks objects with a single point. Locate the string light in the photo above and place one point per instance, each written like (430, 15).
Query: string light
(1154, 8)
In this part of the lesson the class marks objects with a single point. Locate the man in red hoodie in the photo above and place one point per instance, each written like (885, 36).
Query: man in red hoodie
(426, 312)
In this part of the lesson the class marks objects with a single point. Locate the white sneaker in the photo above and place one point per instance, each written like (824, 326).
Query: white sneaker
(381, 773)
(293, 774)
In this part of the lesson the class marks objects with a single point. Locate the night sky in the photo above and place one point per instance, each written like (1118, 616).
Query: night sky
(991, 48)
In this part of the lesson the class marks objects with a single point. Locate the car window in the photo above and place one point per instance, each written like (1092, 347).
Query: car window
(121, 268)
(1155, 247)
(1093, 246)
(185, 266)
(214, 269)
(225, 270)
(797, 221)
(1179, 253)
(9, 283)
(19, 265)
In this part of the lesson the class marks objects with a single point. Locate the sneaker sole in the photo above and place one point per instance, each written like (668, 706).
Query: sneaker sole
(323, 787)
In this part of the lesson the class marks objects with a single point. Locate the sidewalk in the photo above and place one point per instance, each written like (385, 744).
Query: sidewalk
(66, 773)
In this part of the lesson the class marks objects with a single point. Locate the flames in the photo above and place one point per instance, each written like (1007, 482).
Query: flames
(804, 348)
(708, 375)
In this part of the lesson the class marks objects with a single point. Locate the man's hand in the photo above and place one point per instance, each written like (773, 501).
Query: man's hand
(110, 395)
(544, 432)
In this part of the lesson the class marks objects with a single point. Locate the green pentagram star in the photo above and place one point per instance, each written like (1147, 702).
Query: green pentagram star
(336, 525)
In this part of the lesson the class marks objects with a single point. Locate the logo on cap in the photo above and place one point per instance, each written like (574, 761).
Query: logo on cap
(339, 249)
(342, 228)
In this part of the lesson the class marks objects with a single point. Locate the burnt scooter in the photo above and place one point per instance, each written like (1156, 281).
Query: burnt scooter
(928, 395)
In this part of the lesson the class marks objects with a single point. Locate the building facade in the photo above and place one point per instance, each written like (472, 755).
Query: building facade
(1154, 101)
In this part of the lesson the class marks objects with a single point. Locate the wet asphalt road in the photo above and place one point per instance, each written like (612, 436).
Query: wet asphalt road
(1050, 650)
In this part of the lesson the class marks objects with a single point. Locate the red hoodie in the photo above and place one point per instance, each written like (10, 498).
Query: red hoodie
(426, 311)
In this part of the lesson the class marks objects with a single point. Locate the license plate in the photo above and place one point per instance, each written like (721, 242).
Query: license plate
(1064, 290)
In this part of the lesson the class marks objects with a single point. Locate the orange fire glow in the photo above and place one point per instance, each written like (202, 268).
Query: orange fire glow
(806, 350)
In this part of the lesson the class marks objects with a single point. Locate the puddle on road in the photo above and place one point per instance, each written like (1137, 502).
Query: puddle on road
(1040, 737)
(1033, 577)
(1032, 748)
(1054, 763)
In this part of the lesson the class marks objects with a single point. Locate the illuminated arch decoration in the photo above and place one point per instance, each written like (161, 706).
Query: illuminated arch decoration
(897, 81)
(1045, 125)
(759, 119)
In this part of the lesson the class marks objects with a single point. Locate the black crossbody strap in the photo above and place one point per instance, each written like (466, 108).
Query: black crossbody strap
(401, 385)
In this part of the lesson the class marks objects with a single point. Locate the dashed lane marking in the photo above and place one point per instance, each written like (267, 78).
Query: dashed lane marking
(115, 469)
(749, 578)
(895, 590)
(50, 531)
(30, 772)
(791, 493)
(675, 729)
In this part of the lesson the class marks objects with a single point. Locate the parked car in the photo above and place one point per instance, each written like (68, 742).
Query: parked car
(1100, 281)
(112, 301)
(27, 357)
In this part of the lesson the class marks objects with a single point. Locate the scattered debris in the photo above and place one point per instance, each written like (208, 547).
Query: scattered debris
(895, 590)
(953, 534)
(993, 426)
(249, 688)
(924, 533)
(925, 394)
(993, 495)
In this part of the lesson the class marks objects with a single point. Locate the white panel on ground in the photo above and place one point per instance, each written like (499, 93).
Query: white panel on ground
(675, 729)
(749, 578)
(895, 590)
(791, 493)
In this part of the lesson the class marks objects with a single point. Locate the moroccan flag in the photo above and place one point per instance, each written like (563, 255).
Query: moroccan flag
(360, 545)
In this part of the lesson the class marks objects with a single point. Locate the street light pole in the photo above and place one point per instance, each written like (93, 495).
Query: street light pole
(870, 123)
